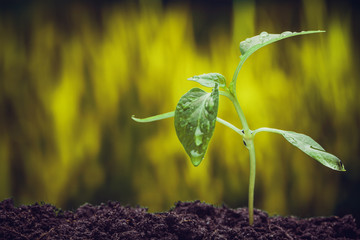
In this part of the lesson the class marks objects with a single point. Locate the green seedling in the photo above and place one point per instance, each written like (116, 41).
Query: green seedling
(196, 115)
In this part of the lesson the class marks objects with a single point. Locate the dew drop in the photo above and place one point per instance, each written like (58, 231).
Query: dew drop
(196, 157)
(291, 140)
(242, 45)
(195, 153)
(317, 148)
(198, 140)
(263, 37)
(211, 103)
(264, 34)
(198, 136)
(286, 33)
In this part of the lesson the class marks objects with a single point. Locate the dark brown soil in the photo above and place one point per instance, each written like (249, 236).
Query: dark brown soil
(187, 220)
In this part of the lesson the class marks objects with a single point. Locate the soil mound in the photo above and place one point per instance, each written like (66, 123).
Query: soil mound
(186, 220)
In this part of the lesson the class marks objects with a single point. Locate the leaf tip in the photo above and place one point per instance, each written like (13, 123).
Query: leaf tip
(341, 167)
(337, 166)
(196, 161)
(135, 119)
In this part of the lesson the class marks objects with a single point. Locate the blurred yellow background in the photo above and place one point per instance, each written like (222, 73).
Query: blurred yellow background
(73, 73)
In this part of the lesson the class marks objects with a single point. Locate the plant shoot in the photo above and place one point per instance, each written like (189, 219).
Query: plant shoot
(195, 116)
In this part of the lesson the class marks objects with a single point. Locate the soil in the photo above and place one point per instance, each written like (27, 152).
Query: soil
(186, 220)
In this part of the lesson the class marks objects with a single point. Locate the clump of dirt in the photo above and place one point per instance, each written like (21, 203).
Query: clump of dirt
(187, 220)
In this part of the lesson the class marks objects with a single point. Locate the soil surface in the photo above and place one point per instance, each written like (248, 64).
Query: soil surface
(187, 220)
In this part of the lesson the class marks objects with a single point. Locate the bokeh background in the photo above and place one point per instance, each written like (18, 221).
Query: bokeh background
(73, 72)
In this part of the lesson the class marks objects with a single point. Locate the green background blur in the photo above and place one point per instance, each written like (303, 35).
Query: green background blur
(73, 72)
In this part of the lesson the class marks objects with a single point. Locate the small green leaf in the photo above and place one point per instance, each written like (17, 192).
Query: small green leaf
(195, 118)
(308, 146)
(252, 44)
(210, 79)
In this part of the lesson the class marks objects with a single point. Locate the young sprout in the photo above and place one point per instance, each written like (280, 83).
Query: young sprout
(196, 115)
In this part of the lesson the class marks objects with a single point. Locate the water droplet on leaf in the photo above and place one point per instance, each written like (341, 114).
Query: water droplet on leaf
(264, 37)
(292, 140)
(198, 136)
(286, 33)
(264, 34)
(196, 157)
(211, 103)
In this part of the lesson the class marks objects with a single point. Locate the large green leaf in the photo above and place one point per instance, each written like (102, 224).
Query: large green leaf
(195, 118)
(308, 146)
(210, 79)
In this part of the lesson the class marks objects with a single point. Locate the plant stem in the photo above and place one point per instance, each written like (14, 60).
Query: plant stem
(266, 129)
(232, 86)
(239, 111)
(248, 138)
(229, 125)
(251, 148)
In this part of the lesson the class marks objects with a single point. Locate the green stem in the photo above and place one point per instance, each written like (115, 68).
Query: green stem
(232, 86)
(239, 111)
(229, 125)
(266, 129)
(242, 117)
(248, 138)
(251, 148)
